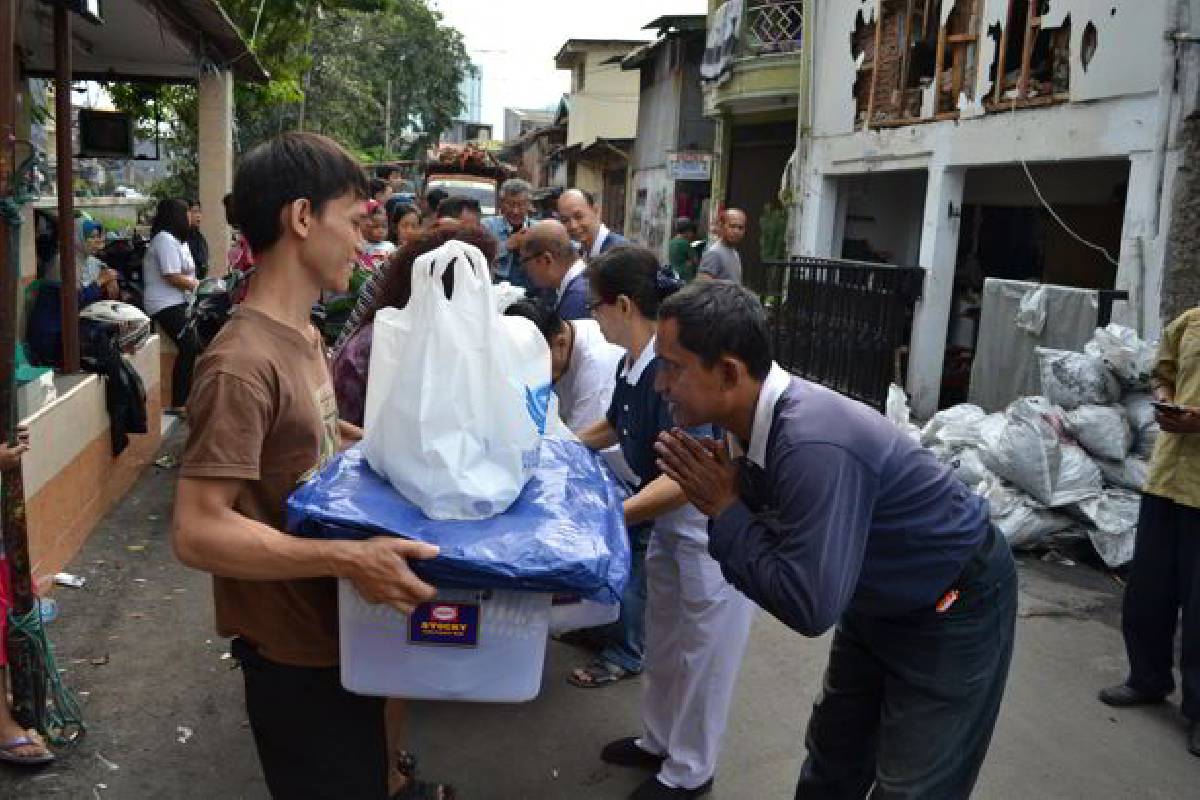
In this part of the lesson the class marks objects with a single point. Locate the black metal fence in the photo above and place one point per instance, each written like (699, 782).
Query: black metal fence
(843, 324)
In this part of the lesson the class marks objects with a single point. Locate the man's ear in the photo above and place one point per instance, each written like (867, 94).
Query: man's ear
(297, 217)
(731, 371)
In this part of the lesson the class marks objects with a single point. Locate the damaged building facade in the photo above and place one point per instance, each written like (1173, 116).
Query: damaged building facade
(1019, 139)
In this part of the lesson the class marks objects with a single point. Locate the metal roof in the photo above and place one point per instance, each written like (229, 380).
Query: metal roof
(165, 41)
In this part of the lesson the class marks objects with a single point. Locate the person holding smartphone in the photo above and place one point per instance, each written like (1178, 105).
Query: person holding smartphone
(1164, 578)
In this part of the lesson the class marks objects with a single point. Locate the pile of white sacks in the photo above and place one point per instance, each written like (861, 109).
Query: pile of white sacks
(1075, 458)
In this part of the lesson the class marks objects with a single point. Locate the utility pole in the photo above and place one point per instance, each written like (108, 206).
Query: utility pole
(387, 119)
(1181, 257)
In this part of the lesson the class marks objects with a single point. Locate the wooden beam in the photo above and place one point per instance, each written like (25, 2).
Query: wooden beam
(65, 146)
(961, 38)
(878, 55)
(937, 69)
(1032, 22)
(1001, 66)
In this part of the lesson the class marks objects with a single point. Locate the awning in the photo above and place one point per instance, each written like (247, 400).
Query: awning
(164, 41)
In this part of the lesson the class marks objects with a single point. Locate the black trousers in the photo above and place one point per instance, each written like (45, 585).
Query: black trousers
(1164, 580)
(909, 702)
(173, 321)
(315, 740)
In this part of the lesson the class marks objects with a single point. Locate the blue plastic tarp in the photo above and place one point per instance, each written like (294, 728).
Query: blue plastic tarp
(565, 533)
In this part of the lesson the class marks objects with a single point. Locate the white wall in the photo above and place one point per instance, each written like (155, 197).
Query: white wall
(885, 209)
(650, 217)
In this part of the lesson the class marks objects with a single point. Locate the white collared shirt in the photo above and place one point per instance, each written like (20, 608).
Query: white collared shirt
(633, 374)
(601, 235)
(777, 382)
(574, 272)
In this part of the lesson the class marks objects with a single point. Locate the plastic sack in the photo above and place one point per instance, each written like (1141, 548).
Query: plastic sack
(1112, 524)
(565, 533)
(458, 397)
(969, 467)
(1103, 431)
(1031, 314)
(1023, 450)
(1126, 355)
(954, 427)
(507, 294)
(1024, 522)
(1079, 477)
(1128, 473)
(1142, 420)
(1074, 379)
(899, 413)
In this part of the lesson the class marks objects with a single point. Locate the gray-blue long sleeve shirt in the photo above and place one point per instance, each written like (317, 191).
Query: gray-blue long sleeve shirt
(841, 511)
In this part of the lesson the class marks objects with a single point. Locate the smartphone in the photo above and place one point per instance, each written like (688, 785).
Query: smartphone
(1170, 409)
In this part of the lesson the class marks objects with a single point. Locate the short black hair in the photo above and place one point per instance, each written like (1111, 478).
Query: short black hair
(635, 272)
(194, 203)
(396, 212)
(376, 185)
(434, 198)
(683, 225)
(454, 207)
(171, 215)
(719, 318)
(289, 167)
(545, 318)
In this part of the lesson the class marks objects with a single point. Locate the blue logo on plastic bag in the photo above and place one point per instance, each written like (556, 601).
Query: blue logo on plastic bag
(537, 403)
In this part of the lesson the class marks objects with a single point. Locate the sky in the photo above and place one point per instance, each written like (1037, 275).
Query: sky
(514, 42)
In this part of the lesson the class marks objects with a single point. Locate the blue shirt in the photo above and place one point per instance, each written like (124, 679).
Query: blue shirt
(840, 511)
(508, 263)
(573, 300)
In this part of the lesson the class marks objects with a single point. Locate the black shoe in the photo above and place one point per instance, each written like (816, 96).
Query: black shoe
(653, 789)
(626, 753)
(1125, 696)
(1194, 739)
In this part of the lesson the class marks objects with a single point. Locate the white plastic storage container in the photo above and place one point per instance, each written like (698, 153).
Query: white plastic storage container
(471, 645)
(573, 613)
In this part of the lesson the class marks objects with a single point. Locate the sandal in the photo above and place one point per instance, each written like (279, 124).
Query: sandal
(9, 754)
(597, 674)
(414, 789)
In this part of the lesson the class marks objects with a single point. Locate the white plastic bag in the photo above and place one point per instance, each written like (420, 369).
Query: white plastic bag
(954, 427)
(1031, 314)
(1125, 353)
(969, 467)
(1074, 379)
(1101, 430)
(1024, 450)
(1078, 478)
(899, 413)
(1129, 473)
(1112, 524)
(1023, 521)
(458, 396)
(1142, 420)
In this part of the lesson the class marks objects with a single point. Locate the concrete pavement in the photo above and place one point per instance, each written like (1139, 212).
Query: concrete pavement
(165, 710)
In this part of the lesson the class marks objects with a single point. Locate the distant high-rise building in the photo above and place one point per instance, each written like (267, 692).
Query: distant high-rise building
(471, 90)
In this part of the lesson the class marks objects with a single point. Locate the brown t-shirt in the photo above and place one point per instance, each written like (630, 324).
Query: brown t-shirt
(262, 409)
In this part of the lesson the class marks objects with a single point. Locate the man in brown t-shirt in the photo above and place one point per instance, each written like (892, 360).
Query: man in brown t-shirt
(262, 418)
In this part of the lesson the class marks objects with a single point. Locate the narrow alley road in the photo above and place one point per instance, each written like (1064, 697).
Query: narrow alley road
(163, 703)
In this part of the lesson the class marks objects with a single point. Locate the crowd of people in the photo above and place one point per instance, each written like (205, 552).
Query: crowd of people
(748, 488)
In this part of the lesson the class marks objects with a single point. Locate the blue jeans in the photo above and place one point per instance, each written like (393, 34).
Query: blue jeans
(625, 639)
(909, 702)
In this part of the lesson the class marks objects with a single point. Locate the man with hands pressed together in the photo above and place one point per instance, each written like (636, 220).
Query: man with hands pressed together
(830, 516)
(1165, 575)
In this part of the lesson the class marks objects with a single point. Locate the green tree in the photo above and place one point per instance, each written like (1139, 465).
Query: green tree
(330, 63)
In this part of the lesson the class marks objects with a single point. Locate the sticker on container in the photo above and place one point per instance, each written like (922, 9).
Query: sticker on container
(444, 624)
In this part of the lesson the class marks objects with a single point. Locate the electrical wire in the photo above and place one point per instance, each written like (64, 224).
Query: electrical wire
(1054, 214)
(62, 718)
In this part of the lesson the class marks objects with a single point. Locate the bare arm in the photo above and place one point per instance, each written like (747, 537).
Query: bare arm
(209, 535)
(184, 283)
(350, 433)
(599, 435)
(656, 498)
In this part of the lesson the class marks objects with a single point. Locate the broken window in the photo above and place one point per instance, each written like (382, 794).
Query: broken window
(1032, 64)
(912, 68)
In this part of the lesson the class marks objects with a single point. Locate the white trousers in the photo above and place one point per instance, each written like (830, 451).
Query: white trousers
(696, 631)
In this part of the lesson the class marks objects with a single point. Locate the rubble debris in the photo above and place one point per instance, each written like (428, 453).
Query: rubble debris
(67, 579)
(1050, 474)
